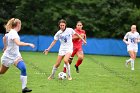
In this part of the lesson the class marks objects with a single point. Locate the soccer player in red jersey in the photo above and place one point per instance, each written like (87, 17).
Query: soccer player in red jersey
(77, 46)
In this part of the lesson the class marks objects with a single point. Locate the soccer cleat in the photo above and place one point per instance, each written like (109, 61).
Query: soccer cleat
(69, 78)
(77, 69)
(26, 90)
(50, 77)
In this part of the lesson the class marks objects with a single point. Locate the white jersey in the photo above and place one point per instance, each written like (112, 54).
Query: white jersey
(12, 50)
(132, 44)
(65, 38)
(132, 37)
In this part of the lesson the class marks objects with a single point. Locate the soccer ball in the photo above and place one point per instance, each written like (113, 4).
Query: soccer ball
(62, 75)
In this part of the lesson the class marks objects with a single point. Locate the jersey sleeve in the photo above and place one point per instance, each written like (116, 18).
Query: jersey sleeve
(56, 36)
(14, 35)
(126, 36)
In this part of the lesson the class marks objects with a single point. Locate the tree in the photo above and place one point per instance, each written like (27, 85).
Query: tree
(101, 18)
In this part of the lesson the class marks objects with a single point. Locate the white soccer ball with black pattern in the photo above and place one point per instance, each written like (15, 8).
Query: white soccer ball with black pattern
(62, 75)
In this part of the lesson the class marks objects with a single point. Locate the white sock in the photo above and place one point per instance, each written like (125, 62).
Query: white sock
(132, 64)
(53, 71)
(24, 81)
(65, 65)
(68, 69)
(129, 60)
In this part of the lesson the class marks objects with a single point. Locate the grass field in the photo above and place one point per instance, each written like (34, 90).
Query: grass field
(98, 74)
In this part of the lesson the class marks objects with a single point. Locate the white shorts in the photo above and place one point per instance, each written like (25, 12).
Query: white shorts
(64, 52)
(130, 48)
(6, 61)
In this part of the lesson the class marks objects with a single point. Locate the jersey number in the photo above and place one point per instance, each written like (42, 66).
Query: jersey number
(132, 40)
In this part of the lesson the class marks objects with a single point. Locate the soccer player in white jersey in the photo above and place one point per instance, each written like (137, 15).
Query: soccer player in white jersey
(131, 39)
(66, 48)
(11, 53)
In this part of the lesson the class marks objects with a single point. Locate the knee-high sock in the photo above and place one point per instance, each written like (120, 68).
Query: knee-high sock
(21, 66)
(132, 64)
(24, 81)
(64, 69)
(53, 71)
(79, 61)
(68, 69)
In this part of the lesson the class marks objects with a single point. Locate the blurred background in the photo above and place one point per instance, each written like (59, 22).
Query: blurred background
(101, 18)
(105, 22)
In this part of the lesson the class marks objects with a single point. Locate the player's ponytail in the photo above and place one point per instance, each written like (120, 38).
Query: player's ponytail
(12, 23)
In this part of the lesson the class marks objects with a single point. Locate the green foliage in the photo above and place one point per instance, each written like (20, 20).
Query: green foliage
(101, 18)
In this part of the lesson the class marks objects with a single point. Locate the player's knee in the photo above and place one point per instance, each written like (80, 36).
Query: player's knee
(133, 57)
(66, 61)
(80, 57)
(21, 66)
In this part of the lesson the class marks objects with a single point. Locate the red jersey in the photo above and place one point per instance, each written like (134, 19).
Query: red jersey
(77, 43)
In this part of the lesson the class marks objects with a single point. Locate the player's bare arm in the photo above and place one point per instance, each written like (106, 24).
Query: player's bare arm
(81, 38)
(23, 43)
(51, 45)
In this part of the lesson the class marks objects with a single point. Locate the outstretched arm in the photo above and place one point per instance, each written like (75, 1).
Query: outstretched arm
(19, 43)
(51, 45)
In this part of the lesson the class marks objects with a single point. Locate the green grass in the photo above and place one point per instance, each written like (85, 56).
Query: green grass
(98, 74)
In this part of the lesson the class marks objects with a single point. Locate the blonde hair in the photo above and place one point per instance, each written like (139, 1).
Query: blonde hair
(133, 26)
(12, 23)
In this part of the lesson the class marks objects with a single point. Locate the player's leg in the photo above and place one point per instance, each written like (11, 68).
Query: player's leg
(70, 60)
(80, 55)
(23, 76)
(72, 55)
(3, 69)
(66, 58)
(5, 63)
(58, 61)
(132, 56)
(130, 51)
(133, 60)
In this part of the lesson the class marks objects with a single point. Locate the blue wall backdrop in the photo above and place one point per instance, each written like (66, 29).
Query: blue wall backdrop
(93, 46)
